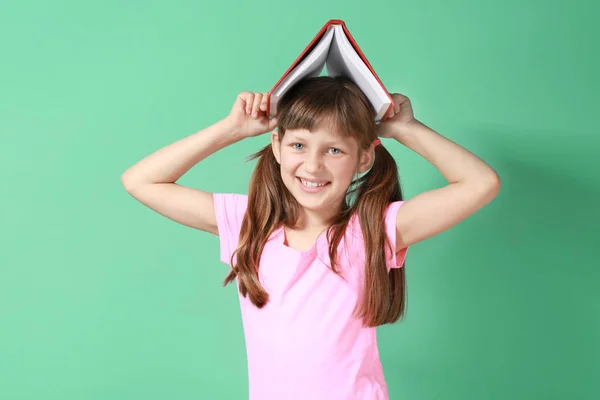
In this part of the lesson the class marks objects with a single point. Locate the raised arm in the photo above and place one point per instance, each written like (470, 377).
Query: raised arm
(152, 181)
(471, 182)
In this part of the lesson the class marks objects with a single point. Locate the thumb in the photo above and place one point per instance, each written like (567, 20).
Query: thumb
(273, 123)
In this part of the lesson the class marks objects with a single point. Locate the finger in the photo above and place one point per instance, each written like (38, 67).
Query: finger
(273, 123)
(263, 104)
(256, 104)
(249, 98)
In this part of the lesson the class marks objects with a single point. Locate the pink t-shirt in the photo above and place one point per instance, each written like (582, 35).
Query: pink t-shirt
(305, 343)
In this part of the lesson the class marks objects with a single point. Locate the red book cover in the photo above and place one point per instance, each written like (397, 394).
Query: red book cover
(312, 44)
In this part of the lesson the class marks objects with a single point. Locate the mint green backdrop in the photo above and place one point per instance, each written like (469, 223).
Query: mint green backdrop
(101, 298)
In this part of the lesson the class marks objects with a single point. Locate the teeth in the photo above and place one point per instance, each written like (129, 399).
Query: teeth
(311, 184)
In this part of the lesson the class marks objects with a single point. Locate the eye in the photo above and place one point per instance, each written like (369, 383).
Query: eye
(300, 146)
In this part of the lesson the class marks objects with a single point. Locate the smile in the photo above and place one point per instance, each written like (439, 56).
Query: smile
(311, 184)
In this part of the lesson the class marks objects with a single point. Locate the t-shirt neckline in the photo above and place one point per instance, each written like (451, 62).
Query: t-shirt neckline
(280, 234)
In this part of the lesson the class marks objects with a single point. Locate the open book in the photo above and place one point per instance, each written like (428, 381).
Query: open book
(334, 48)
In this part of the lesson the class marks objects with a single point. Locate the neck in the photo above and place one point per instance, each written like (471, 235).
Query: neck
(312, 221)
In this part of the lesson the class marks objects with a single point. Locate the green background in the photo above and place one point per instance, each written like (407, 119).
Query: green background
(101, 298)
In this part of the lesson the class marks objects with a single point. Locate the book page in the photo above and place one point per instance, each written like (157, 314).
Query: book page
(343, 60)
(310, 66)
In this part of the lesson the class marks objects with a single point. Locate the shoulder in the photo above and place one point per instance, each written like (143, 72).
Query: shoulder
(229, 212)
(230, 202)
(388, 219)
(230, 209)
(355, 237)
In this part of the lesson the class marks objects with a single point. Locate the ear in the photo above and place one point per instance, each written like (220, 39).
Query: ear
(276, 146)
(366, 160)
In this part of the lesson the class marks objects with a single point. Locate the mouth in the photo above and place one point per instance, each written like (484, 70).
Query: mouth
(311, 185)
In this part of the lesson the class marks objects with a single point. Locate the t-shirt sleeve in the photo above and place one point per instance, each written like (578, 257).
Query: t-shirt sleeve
(396, 258)
(229, 210)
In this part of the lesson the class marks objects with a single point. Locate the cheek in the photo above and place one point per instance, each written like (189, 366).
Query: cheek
(343, 169)
(290, 163)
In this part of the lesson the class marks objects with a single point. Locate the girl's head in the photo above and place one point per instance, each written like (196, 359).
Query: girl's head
(325, 134)
(324, 139)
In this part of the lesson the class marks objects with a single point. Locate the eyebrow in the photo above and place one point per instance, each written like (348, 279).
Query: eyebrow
(335, 142)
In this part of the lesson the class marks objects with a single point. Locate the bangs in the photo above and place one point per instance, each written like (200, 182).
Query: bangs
(334, 108)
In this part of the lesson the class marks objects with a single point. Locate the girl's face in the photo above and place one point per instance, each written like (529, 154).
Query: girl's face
(318, 167)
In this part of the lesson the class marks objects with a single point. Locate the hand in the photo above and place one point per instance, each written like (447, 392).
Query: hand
(399, 118)
(248, 115)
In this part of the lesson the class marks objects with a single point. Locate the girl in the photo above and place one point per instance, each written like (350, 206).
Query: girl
(317, 246)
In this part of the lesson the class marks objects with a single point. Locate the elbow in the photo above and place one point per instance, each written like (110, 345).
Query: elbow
(494, 182)
(127, 181)
(485, 187)
(490, 186)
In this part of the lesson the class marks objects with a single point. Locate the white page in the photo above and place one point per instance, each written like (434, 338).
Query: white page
(344, 60)
(311, 66)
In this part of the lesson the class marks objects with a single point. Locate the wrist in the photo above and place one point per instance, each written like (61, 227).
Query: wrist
(403, 132)
(230, 129)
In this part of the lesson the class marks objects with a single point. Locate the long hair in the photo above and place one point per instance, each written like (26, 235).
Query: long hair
(338, 102)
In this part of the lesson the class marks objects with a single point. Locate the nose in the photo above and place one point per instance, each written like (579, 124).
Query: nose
(313, 162)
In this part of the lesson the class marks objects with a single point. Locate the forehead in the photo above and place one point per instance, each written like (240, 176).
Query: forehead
(319, 135)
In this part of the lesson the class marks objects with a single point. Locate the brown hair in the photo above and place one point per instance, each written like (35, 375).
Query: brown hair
(338, 102)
